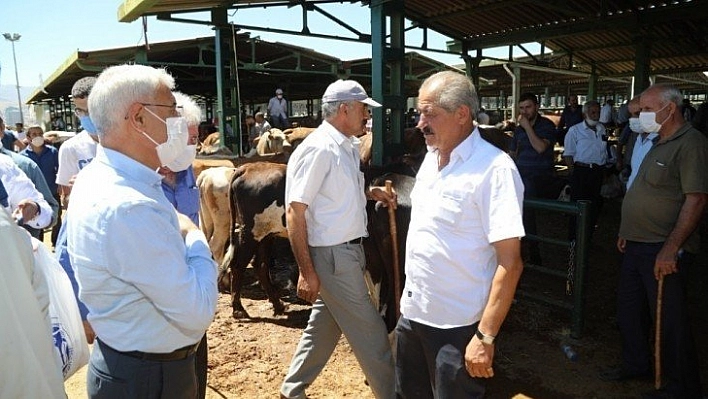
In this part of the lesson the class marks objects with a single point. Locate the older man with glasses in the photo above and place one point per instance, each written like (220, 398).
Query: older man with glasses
(145, 271)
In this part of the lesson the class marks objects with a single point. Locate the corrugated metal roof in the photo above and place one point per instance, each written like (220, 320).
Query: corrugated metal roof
(263, 66)
(603, 34)
(599, 34)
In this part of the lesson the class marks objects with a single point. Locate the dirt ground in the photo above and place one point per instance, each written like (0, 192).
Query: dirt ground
(248, 358)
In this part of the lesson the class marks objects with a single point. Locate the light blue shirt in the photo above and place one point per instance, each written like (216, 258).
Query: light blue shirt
(184, 196)
(146, 288)
(641, 148)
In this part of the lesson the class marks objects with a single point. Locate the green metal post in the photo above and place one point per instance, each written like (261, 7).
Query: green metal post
(378, 45)
(581, 261)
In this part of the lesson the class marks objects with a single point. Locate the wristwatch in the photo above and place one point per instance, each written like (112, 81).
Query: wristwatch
(486, 339)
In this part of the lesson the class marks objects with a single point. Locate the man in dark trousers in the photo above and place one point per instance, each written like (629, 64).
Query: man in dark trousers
(532, 150)
(659, 240)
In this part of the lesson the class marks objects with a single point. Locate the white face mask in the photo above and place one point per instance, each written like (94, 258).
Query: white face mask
(590, 122)
(38, 141)
(648, 120)
(184, 160)
(635, 125)
(176, 144)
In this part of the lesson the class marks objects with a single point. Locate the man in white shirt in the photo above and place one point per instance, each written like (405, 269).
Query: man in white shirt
(586, 154)
(326, 220)
(278, 110)
(608, 117)
(463, 251)
(29, 369)
(79, 150)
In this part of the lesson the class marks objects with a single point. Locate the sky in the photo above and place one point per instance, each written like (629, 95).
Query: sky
(51, 31)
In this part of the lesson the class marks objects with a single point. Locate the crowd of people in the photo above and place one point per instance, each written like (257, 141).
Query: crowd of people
(141, 268)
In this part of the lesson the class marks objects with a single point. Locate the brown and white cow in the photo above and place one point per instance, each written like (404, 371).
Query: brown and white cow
(215, 208)
(272, 141)
(258, 209)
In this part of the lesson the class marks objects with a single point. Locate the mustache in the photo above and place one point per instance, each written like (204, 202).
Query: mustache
(426, 130)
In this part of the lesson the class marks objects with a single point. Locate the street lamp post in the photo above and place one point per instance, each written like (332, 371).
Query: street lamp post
(13, 38)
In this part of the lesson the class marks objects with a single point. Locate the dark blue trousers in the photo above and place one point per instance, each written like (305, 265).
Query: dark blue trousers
(430, 362)
(636, 313)
(114, 375)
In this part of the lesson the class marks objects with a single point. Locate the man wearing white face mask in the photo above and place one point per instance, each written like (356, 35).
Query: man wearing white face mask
(145, 272)
(180, 188)
(178, 181)
(586, 154)
(638, 142)
(659, 239)
(47, 159)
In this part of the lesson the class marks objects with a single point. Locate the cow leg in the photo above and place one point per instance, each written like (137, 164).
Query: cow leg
(244, 254)
(262, 266)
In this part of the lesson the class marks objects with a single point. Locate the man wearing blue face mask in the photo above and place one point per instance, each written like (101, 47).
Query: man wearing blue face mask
(79, 150)
(145, 271)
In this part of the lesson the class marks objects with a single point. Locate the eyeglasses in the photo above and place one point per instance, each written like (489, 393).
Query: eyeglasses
(172, 106)
(80, 112)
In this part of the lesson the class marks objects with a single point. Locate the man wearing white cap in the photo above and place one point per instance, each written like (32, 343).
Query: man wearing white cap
(323, 188)
(278, 110)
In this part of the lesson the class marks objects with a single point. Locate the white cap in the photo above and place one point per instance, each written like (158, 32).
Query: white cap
(347, 90)
(279, 91)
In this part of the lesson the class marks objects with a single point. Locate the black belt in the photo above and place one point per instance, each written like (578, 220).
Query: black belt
(178, 354)
(356, 241)
(587, 165)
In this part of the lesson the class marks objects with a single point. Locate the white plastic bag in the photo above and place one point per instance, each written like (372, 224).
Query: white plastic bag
(70, 344)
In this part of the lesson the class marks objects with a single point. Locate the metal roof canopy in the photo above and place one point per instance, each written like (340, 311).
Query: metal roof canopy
(263, 65)
(604, 39)
(588, 36)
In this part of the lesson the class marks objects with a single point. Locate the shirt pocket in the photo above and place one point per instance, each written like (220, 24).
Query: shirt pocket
(658, 173)
(190, 202)
(448, 210)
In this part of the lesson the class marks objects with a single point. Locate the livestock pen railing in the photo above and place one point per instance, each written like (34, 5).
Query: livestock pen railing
(577, 259)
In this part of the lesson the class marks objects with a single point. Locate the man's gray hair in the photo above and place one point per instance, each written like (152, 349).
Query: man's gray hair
(331, 109)
(453, 90)
(119, 87)
(588, 104)
(667, 93)
(190, 110)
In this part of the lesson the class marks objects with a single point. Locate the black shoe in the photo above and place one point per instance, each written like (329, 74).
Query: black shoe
(622, 374)
(657, 394)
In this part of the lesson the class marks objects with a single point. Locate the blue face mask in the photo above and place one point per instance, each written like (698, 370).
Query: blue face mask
(87, 124)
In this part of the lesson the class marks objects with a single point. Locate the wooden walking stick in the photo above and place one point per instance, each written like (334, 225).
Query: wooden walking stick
(657, 335)
(394, 247)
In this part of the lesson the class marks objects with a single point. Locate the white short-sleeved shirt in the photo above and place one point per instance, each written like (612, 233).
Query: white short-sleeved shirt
(457, 214)
(586, 145)
(74, 154)
(323, 173)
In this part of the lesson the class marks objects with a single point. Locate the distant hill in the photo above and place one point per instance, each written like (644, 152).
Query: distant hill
(9, 93)
(8, 99)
